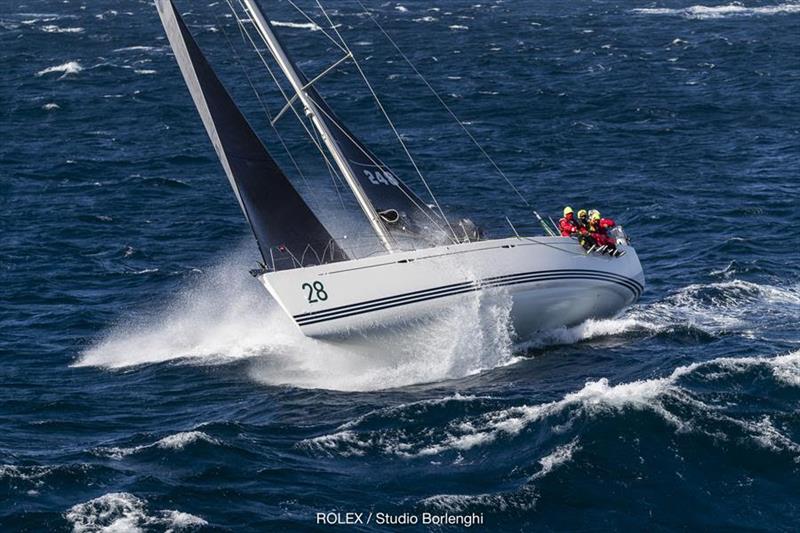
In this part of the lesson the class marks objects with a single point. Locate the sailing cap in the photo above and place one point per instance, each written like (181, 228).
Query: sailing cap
(567, 210)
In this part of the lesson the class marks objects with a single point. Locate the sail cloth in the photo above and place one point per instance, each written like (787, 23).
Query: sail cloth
(286, 229)
(401, 210)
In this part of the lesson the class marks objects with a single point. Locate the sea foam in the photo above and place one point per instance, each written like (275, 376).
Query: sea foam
(177, 441)
(52, 28)
(71, 67)
(122, 511)
(665, 397)
(723, 11)
(297, 25)
(229, 316)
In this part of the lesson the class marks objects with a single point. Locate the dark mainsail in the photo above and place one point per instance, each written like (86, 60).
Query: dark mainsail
(286, 229)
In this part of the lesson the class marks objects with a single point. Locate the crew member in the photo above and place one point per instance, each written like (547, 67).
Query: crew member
(599, 227)
(567, 223)
(583, 220)
(606, 224)
(585, 238)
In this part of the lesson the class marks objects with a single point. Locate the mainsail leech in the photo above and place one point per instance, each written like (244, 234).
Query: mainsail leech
(287, 231)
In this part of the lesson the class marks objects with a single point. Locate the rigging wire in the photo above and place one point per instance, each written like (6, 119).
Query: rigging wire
(312, 21)
(386, 116)
(266, 65)
(379, 163)
(444, 104)
(244, 30)
(263, 105)
(452, 236)
(286, 98)
(332, 171)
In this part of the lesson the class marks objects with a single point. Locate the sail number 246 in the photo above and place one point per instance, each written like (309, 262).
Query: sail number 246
(380, 177)
(315, 292)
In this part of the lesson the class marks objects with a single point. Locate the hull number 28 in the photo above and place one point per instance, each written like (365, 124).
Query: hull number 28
(315, 292)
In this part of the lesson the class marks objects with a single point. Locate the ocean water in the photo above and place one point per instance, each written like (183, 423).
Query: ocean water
(148, 383)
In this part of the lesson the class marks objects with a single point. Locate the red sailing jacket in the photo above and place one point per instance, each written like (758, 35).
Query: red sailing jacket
(606, 224)
(567, 226)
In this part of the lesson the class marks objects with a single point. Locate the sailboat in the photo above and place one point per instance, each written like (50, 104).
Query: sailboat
(423, 261)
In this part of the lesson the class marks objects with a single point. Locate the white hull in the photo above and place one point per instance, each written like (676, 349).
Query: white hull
(550, 280)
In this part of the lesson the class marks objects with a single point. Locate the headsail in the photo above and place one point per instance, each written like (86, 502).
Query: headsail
(391, 207)
(387, 192)
(278, 215)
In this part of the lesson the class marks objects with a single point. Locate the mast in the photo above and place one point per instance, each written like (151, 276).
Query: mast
(296, 80)
(276, 212)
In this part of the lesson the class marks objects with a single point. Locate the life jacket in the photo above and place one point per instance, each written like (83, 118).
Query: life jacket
(567, 226)
(606, 223)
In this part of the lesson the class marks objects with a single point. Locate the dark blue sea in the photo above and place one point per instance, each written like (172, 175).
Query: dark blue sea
(149, 383)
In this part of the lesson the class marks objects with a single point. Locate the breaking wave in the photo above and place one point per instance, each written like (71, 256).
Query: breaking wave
(178, 441)
(671, 399)
(71, 67)
(714, 12)
(297, 25)
(52, 28)
(524, 498)
(705, 404)
(138, 48)
(122, 511)
(560, 456)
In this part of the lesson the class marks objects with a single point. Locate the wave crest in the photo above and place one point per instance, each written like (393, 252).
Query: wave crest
(671, 399)
(702, 12)
(178, 441)
(68, 68)
(122, 511)
(297, 25)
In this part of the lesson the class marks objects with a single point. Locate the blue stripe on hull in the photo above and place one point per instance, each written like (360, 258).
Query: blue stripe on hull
(368, 306)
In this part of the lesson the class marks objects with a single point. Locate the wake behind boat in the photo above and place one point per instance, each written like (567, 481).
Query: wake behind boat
(417, 261)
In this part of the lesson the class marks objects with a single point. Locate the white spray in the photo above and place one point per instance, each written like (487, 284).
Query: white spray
(229, 316)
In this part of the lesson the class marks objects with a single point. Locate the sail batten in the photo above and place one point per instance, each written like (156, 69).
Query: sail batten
(285, 228)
